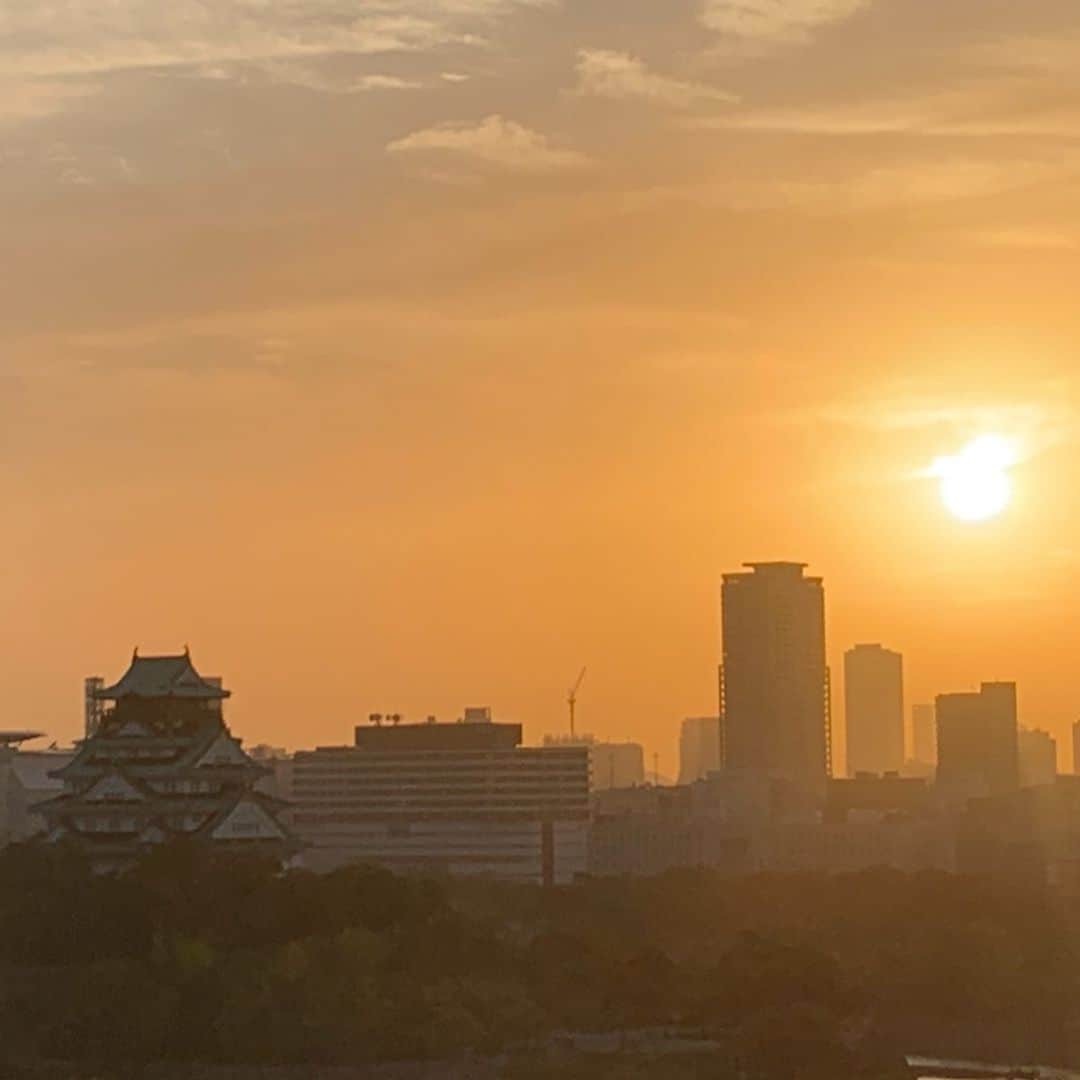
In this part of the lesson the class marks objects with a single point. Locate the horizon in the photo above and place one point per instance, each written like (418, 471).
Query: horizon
(405, 355)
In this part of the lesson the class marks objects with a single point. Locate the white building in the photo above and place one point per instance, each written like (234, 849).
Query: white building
(462, 799)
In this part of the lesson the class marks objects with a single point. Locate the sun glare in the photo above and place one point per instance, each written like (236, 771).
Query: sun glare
(974, 483)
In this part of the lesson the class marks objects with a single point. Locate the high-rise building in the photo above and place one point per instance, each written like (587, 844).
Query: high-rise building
(977, 740)
(874, 708)
(699, 748)
(924, 734)
(1076, 746)
(774, 684)
(1038, 757)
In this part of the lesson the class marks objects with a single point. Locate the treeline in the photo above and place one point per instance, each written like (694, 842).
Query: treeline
(197, 956)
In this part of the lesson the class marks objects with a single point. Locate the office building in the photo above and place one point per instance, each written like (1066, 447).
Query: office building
(699, 748)
(1037, 752)
(611, 764)
(924, 734)
(774, 683)
(874, 709)
(977, 741)
(162, 765)
(463, 799)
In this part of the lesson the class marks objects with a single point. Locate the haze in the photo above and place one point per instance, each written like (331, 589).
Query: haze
(400, 355)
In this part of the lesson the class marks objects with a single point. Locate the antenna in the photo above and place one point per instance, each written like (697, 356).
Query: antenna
(571, 699)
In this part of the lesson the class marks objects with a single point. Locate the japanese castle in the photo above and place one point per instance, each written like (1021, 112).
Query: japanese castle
(160, 765)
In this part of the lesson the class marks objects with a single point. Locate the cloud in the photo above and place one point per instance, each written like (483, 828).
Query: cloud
(309, 76)
(494, 141)
(618, 75)
(49, 38)
(776, 20)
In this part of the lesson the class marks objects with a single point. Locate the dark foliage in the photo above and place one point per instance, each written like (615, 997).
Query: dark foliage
(196, 956)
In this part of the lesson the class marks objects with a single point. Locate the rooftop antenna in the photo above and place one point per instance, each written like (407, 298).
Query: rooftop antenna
(571, 699)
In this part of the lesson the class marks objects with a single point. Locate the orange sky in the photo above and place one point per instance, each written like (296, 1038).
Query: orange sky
(400, 355)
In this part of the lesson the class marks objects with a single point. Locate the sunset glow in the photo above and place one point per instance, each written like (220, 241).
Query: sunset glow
(974, 483)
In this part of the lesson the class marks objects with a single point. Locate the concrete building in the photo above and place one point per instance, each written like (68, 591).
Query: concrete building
(924, 734)
(462, 798)
(746, 823)
(977, 741)
(611, 764)
(774, 682)
(874, 709)
(699, 748)
(1037, 756)
(161, 765)
(26, 780)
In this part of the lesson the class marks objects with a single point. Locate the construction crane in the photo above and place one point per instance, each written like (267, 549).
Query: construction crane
(571, 700)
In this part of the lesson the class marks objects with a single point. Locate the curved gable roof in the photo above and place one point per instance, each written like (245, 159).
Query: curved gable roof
(162, 676)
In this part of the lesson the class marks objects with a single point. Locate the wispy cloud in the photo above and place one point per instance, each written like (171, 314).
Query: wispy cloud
(776, 20)
(494, 141)
(56, 38)
(618, 75)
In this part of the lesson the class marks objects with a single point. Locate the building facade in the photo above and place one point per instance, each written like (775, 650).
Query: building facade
(160, 766)
(977, 741)
(1037, 752)
(26, 780)
(699, 748)
(462, 799)
(874, 709)
(611, 764)
(774, 682)
(924, 734)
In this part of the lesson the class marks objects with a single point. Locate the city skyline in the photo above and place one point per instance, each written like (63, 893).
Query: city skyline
(398, 364)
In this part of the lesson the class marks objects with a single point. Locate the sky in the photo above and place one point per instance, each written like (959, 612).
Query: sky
(403, 355)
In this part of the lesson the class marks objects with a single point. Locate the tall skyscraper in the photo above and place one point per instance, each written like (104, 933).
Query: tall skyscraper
(1038, 757)
(924, 734)
(699, 748)
(977, 739)
(874, 706)
(774, 683)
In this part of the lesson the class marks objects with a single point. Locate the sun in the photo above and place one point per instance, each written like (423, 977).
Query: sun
(975, 483)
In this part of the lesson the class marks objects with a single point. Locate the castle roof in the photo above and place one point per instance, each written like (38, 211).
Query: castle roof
(161, 677)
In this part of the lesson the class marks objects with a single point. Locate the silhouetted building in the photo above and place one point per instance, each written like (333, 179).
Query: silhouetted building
(1028, 837)
(924, 734)
(977, 741)
(25, 780)
(749, 822)
(162, 765)
(462, 799)
(868, 798)
(699, 748)
(874, 708)
(1076, 746)
(1038, 757)
(774, 682)
(611, 764)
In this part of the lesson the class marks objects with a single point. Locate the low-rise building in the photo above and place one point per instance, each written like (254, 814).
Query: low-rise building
(611, 764)
(25, 780)
(462, 799)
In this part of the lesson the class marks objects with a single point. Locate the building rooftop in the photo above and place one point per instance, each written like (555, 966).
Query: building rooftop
(159, 677)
